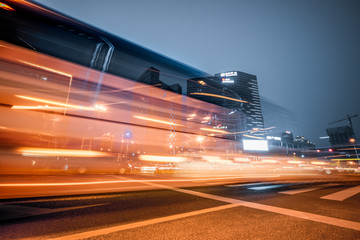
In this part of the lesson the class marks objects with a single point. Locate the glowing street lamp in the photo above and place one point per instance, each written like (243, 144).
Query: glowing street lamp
(352, 140)
(200, 139)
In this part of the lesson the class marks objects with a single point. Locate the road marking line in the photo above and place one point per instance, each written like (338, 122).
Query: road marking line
(248, 184)
(308, 189)
(233, 203)
(118, 228)
(267, 187)
(288, 212)
(344, 194)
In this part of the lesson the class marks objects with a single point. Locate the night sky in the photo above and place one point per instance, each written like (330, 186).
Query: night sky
(305, 54)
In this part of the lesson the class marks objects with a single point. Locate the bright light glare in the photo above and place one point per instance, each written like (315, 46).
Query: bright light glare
(295, 162)
(168, 159)
(255, 145)
(100, 107)
(199, 138)
(60, 152)
(241, 160)
(269, 161)
(319, 163)
(215, 159)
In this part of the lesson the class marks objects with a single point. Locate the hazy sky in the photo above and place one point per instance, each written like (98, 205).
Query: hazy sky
(305, 53)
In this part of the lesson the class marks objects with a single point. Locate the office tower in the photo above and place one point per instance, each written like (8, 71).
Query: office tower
(245, 85)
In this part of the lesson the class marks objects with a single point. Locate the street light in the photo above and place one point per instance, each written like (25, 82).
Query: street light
(352, 140)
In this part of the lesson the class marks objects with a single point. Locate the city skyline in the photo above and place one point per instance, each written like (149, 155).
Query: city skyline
(304, 54)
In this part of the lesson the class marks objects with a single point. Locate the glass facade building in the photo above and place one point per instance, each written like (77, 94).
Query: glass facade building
(211, 91)
(246, 87)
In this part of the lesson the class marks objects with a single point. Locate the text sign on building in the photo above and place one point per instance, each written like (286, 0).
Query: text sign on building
(228, 74)
(227, 80)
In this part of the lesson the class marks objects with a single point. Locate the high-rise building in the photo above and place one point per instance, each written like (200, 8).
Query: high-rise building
(245, 85)
(277, 119)
(210, 90)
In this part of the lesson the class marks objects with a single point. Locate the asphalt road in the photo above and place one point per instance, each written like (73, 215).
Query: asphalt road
(270, 208)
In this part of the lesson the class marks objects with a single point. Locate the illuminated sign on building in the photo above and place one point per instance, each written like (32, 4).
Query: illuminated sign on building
(228, 74)
(227, 80)
(273, 138)
(255, 145)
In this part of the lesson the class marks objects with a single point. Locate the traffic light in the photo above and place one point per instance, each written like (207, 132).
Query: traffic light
(330, 150)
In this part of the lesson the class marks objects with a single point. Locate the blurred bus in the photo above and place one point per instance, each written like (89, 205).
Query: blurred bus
(74, 98)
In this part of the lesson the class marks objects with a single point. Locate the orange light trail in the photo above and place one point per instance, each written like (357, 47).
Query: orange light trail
(345, 159)
(58, 72)
(241, 160)
(295, 162)
(48, 69)
(218, 96)
(60, 152)
(6, 7)
(53, 103)
(215, 159)
(252, 136)
(153, 158)
(269, 161)
(157, 120)
(213, 130)
(37, 108)
(319, 163)
(129, 181)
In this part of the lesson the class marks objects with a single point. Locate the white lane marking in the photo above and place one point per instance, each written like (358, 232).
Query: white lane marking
(308, 189)
(344, 194)
(118, 228)
(267, 187)
(249, 184)
(233, 203)
(289, 212)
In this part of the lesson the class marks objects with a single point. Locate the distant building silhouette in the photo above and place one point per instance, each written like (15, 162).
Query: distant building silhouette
(287, 137)
(152, 77)
(340, 135)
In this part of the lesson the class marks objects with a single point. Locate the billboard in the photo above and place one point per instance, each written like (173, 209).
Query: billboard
(255, 145)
